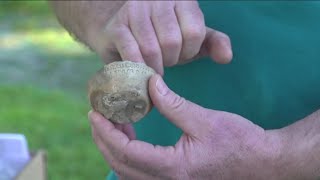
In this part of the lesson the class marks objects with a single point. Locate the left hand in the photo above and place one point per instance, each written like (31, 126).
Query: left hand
(214, 145)
(159, 34)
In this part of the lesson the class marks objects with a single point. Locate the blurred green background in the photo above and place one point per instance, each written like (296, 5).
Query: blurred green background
(43, 78)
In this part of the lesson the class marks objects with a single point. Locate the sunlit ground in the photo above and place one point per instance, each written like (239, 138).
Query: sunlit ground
(43, 78)
(52, 40)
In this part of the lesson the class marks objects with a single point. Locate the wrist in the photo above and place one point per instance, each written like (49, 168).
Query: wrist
(86, 20)
(294, 157)
(95, 25)
(272, 152)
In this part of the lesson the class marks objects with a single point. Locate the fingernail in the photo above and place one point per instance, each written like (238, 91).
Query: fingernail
(161, 86)
(93, 115)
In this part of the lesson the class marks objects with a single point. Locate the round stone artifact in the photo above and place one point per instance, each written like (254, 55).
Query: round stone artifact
(119, 91)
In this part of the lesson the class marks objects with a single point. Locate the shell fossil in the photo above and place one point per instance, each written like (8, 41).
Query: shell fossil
(119, 91)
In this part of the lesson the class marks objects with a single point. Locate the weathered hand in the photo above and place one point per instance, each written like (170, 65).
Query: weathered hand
(215, 144)
(160, 33)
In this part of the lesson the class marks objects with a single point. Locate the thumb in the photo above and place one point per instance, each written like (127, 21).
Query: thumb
(189, 117)
(218, 46)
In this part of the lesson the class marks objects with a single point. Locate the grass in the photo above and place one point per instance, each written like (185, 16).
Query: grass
(54, 122)
(52, 41)
(43, 73)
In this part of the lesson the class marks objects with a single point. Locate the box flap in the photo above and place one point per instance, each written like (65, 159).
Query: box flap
(36, 168)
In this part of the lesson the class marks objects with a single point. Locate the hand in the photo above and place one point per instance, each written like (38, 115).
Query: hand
(161, 33)
(214, 145)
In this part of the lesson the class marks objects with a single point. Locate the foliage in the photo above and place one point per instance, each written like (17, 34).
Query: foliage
(39, 7)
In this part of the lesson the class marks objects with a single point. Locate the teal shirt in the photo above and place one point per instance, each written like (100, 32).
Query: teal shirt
(274, 78)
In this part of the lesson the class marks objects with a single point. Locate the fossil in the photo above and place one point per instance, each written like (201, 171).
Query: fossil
(119, 91)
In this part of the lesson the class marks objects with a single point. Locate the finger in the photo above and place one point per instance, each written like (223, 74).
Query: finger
(104, 151)
(109, 152)
(138, 154)
(168, 31)
(218, 46)
(143, 31)
(191, 118)
(126, 44)
(192, 26)
(107, 130)
(118, 126)
(126, 129)
(121, 170)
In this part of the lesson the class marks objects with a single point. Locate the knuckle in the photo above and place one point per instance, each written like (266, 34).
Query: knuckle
(194, 33)
(171, 43)
(223, 37)
(221, 119)
(115, 165)
(123, 157)
(177, 103)
(149, 50)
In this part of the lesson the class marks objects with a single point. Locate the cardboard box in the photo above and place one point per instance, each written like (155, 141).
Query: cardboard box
(36, 169)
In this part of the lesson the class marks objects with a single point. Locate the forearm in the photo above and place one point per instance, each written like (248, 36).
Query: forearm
(300, 156)
(85, 19)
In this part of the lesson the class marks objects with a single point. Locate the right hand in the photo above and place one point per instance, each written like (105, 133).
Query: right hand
(214, 144)
(161, 33)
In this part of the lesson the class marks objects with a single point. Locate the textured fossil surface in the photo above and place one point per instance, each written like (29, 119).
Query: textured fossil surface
(119, 91)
